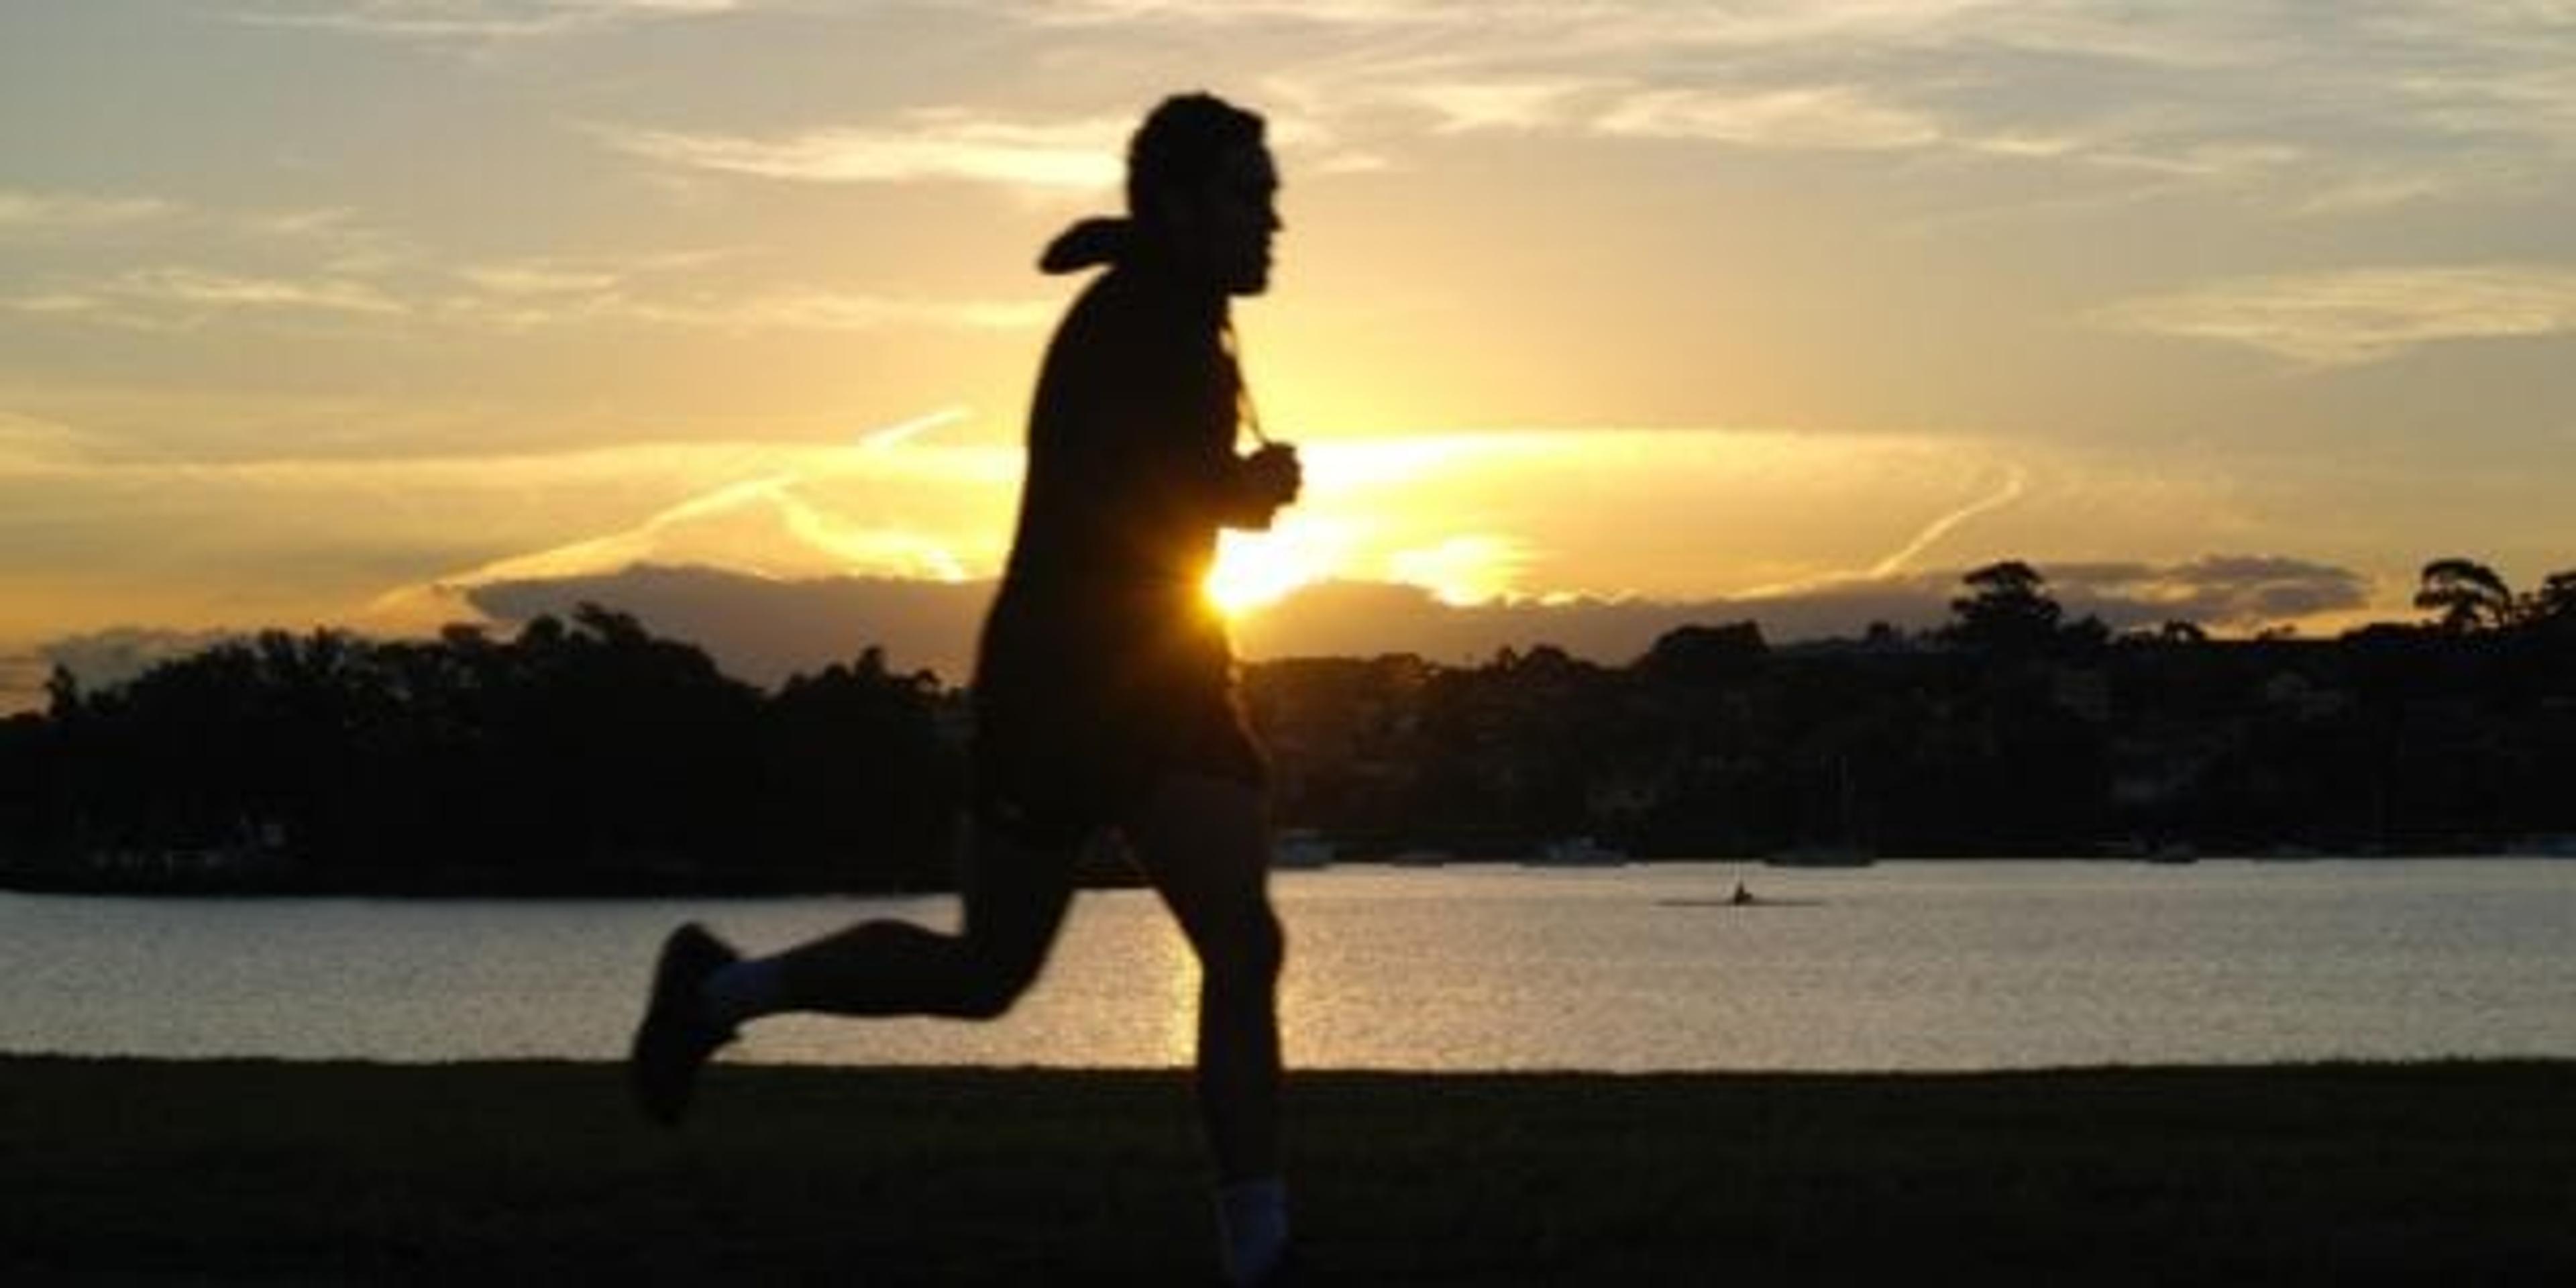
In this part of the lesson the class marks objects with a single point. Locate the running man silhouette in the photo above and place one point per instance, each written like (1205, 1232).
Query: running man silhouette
(1103, 688)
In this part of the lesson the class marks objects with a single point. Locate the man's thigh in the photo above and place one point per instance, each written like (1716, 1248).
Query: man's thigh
(1204, 841)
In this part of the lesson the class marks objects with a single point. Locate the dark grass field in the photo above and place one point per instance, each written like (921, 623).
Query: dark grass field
(138, 1171)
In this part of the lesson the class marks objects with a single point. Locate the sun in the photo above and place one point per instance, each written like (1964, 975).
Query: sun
(1257, 569)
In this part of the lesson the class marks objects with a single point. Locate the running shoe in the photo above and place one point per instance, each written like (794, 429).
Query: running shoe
(677, 1036)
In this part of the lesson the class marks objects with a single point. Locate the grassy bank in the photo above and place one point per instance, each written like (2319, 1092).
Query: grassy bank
(134, 1170)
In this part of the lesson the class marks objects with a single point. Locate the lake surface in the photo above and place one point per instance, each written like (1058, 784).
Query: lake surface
(1898, 966)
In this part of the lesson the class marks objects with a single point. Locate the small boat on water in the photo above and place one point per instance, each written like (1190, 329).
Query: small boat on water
(1743, 897)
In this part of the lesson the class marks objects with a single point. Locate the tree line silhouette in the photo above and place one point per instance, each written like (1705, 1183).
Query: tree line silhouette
(2007, 731)
(588, 755)
(582, 755)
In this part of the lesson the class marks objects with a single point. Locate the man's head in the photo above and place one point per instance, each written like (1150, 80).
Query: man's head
(1201, 187)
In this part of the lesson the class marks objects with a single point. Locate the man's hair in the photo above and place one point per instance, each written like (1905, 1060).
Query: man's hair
(1180, 144)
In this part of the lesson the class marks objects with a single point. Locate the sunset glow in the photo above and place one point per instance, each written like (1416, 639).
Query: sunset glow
(1709, 304)
(1256, 569)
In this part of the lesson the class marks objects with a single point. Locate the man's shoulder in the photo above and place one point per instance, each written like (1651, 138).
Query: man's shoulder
(1129, 297)
(1117, 319)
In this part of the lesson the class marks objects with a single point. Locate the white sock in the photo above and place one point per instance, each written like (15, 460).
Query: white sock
(1253, 1216)
(743, 990)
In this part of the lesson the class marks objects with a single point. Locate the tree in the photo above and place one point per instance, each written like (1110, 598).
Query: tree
(2010, 611)
(1706, 654)
(62, 694)
(2469, 596)
(2553, 606)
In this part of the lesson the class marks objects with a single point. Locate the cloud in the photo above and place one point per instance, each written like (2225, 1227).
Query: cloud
(526, 278)
(1520, 105)
(809, 310)
(765, 629)
(2224, 592)
(99, 659)
(778, 515)
(381, 542)
(2014, 482)
(528, 302)
(22, 682)
(757, 524)
(1627, 24)
(1366, 15)
(31, 446)
(481, 20)
(230, 290)
(182, 296)
(1821, 117)
(2238, 592)
(23, 210)
(1769, 113)
(927, 145)
(2362, 315)
(2433, 101)
(512, 296)
(653, 290)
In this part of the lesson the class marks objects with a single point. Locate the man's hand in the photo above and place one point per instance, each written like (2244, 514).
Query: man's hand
(1274, 473)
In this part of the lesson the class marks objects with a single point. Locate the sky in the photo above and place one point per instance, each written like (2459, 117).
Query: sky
(381, 314)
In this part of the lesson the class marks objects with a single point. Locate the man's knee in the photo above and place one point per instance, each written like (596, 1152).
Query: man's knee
(995, 984)
(1253, 955)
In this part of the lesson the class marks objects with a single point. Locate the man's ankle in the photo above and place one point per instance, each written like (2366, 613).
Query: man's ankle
(743, 991)
(1252, 1216)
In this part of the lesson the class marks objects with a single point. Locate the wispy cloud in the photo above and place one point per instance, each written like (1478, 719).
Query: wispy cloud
(805, 310)
(1638, 23)
(1828, 117)
(479, 20)
(2232, 591)
(2363, 315)
(2180, 98)
(2014, 481)
(192, 286)
(30, 446)
(1368, 14)
(24, 210)
(944, 144)
(1897, 566)
(767, 628)
(539, 278)
(512, 295)
(181, 297)
(767, 522)
(555, 299)
(97, 659)
(1537, 103)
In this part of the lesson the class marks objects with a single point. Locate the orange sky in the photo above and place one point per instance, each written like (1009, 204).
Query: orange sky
(309, 308)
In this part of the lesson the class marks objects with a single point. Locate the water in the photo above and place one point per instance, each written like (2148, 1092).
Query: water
(1901, 966)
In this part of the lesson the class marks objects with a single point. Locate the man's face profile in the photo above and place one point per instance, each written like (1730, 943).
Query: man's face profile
(1227, 224)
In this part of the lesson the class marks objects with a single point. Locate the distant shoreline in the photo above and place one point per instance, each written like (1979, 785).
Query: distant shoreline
(485, 884)
(2335, 1173)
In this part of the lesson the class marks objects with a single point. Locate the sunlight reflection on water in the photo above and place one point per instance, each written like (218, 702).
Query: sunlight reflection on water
(1905, 965)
